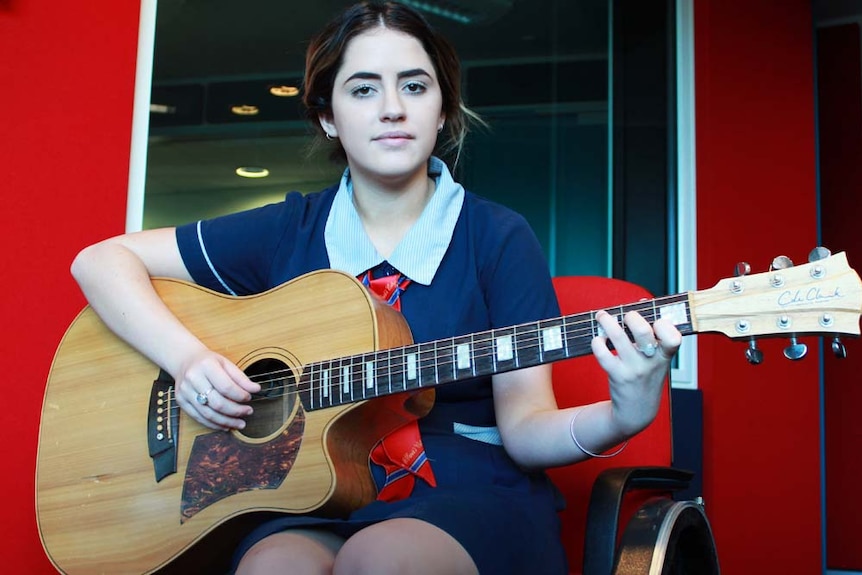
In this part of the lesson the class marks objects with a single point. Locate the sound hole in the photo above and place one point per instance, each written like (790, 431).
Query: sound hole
(275, 402)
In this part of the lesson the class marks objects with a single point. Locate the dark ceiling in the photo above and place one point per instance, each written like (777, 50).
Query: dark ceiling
(211, 54)
(206, 39)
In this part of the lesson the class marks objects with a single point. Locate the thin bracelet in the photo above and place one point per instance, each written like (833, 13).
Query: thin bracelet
(587, 451)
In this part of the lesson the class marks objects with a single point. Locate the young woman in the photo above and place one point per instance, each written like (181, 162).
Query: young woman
(383, 88)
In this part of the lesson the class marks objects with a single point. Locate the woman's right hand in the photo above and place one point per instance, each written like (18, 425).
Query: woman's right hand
(214, 391)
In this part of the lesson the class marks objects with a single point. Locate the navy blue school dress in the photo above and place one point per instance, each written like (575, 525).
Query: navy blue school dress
(474, 266)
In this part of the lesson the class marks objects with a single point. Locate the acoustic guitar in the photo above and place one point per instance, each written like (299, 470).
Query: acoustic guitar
(126, 482)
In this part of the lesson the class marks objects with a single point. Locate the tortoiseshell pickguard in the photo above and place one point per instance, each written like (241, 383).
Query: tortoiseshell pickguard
(220, 465)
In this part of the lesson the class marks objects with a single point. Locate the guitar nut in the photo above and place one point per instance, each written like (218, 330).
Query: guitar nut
(826, 320)
(736, 286)
(783, 322)
(817, 272)
(742, 326)
(777, 280)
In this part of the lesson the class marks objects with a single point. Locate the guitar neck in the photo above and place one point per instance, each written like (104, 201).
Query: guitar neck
(365, 376)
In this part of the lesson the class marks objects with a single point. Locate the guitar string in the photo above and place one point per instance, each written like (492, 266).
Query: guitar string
(574, 331)
(482, 343)
(397, 367)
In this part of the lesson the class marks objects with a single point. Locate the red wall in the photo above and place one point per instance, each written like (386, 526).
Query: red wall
(756, 199)
(65, 112)
(839, 79)
(67, 76)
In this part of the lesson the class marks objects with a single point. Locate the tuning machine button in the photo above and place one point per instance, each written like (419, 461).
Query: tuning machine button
(753, 354)
(781, 263)
(819, 253)
(838, 348)
(795, 350)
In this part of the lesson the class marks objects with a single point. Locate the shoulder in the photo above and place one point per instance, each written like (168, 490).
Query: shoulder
(492, 222)
(309, 204)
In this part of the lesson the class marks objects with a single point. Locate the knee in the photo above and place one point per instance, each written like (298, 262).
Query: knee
(403, 547)
(284, 553)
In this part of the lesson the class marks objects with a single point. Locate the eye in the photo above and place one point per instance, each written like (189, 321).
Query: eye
(415, 87)
(362, 91)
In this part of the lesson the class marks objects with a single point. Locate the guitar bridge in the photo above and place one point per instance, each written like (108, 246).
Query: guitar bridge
(163, 421)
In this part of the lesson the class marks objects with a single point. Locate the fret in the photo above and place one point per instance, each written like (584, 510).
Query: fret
(307, 373)
(428, 363)
(552, 341)
(445, 361)
(396, 371)
(383, 383)
(676, 312)
(527, 346)
(355, 370)
(324, 383)
(369, 372)
(463, 365)
(346, 383)
(412, 366)
(504, 349)
(340, 383)
(483, 354)
(306, 397)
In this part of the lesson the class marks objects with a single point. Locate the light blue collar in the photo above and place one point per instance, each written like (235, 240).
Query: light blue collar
(422, 248)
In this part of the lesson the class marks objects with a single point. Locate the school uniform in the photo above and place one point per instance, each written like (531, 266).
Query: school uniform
(473, 265)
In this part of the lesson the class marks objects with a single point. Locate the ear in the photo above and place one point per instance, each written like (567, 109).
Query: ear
(328, 125)
(442, 122)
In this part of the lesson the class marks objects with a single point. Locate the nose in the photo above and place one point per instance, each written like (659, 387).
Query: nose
(392, 108)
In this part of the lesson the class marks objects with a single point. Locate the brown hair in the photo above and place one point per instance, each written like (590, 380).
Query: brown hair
(326, 52)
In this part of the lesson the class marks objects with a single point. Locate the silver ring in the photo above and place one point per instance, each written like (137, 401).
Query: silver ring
(203, 397)
(649, 349)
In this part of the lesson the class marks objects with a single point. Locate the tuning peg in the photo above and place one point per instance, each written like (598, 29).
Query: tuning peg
(742, 269)
(781, 263)
(753, 354)
(838, 348)
(819, 253)
(795, 350)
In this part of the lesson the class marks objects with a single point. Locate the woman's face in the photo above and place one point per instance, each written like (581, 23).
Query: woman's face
(386, 105)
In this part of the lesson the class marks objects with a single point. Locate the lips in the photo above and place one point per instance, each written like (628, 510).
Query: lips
(394, 136)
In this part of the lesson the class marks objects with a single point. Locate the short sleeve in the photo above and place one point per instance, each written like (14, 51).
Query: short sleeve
(234, 254)
(514, 276)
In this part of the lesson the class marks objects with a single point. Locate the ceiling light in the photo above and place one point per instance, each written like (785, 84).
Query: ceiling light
(284, 91)
(441, 11)
(252, 172)
(162, 109)
(245, 110)
(466, 12)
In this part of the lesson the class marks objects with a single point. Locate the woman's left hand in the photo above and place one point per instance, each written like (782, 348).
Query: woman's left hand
(636, 372)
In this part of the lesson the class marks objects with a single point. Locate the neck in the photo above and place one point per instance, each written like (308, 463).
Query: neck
(389, 209)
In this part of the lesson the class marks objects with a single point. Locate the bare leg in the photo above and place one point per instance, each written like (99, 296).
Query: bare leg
(403, 547)
(292, 552)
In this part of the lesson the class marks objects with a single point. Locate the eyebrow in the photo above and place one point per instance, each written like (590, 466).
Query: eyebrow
(401, 75)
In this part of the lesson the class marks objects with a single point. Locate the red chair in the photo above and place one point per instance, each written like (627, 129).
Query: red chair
(631, 524)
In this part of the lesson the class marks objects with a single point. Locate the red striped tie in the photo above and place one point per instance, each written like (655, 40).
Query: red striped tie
(400, 453)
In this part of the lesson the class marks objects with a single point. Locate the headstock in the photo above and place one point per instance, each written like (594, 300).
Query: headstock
(822, 297)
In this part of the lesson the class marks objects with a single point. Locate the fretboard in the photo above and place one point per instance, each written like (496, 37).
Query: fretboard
(365, 376)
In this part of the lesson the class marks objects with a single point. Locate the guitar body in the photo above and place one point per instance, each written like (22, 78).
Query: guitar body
(100, 506)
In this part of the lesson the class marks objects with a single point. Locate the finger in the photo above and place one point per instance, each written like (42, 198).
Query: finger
(194, 409)
(669, 337)
(609, 330)
(215, 419)
(224, 406)
(242, 387)
(642, 332)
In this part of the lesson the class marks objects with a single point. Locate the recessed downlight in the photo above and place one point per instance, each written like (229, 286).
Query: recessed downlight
(245, 110)
(252, 172)
(284, 91)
